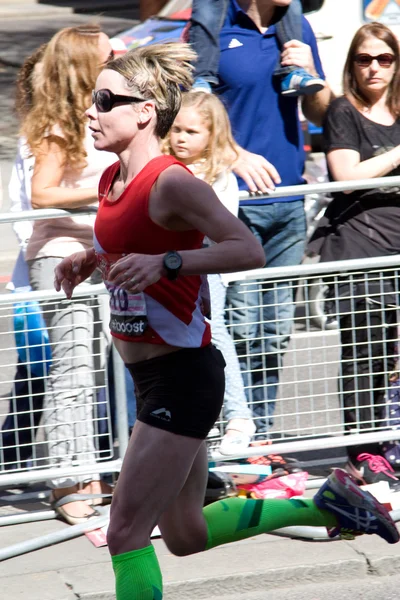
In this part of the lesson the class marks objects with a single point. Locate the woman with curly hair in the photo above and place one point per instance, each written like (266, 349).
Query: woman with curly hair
(66, 173)
(18, 430)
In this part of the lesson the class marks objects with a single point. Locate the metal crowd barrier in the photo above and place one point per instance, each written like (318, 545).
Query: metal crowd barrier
(84, 444)
(310, 404)
(335, 352)
(327, 308)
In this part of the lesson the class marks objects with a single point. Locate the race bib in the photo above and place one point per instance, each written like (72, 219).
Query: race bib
(128, 311)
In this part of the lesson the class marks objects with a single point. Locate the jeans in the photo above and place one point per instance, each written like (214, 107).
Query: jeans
(262, 314)
(129, 389)
(18, 431)
(289, 27)
(69, 401)
(367, 320)
(208, 16)
(235, 402)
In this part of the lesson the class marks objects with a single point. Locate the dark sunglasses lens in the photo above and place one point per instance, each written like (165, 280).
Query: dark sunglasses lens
(385, 60)
(363, 60)
(103, 101)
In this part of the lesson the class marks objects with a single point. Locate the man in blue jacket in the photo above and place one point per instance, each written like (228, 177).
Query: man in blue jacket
(267, 127)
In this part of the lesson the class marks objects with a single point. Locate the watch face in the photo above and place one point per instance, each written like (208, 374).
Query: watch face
(173, 261)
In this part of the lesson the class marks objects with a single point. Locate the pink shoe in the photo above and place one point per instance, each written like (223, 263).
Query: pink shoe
(371, 468)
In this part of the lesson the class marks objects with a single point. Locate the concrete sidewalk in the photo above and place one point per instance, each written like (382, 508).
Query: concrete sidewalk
(76, 569)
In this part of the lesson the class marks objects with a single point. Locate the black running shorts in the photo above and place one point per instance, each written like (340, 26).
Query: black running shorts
(181, 392)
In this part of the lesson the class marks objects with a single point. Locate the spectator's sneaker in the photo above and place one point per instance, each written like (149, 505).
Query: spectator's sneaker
(356, 510)
(300, 83)
(201, 85)
(213, 433)
(237, 437)
(371, 468)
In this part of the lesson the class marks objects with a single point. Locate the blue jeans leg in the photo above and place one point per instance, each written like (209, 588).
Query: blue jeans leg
(207, 19)
(262, 315)
(289, 27)
(235, 402)
(18, 432)
(130, 392)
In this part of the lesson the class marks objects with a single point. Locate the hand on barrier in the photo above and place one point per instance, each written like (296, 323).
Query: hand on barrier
(258, 174)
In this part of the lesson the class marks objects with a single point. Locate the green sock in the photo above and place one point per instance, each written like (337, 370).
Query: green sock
(236, 519)
(137, 575)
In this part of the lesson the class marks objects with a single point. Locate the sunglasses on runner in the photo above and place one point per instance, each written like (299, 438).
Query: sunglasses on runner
(364, 60)
(105, 100)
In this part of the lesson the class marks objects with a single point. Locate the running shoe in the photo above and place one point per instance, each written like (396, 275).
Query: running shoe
(201, 85)
(356, 510)
(371, 468)
(300, 83)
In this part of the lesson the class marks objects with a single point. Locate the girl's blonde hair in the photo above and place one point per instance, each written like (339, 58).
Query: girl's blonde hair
(69, 68)
(158, 72)
(221, 152)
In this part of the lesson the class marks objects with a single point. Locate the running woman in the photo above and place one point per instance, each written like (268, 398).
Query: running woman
(149, 230)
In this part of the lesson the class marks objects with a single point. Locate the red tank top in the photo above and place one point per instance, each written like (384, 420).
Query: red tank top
(167, 312)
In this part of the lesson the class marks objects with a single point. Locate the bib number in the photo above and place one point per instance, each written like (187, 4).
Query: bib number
(128, 311)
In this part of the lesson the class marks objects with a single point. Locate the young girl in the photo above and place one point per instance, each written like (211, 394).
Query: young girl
(201, 138)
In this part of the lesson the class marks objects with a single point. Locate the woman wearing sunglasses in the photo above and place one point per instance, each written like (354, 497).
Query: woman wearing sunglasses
(362, 137)
(148, 236)
(66, 173)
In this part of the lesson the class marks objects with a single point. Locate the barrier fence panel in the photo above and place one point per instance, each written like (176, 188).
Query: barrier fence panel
(62, 426)
(318, 347)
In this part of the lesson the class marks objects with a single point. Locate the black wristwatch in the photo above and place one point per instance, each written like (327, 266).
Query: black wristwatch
(172, 264)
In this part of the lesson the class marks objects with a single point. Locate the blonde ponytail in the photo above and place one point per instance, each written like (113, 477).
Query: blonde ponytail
(158, 72)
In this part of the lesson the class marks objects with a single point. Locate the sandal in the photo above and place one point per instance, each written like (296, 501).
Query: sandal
(101, 498)
(58, 503)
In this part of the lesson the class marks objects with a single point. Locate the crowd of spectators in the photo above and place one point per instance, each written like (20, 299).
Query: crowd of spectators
(238, 129)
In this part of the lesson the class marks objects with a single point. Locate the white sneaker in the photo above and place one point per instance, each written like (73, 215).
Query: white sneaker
(238, 439)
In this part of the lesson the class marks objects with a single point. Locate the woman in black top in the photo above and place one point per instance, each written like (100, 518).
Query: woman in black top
(362, 136)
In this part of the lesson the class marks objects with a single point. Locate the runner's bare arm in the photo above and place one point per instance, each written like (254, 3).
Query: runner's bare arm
(181, 202)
